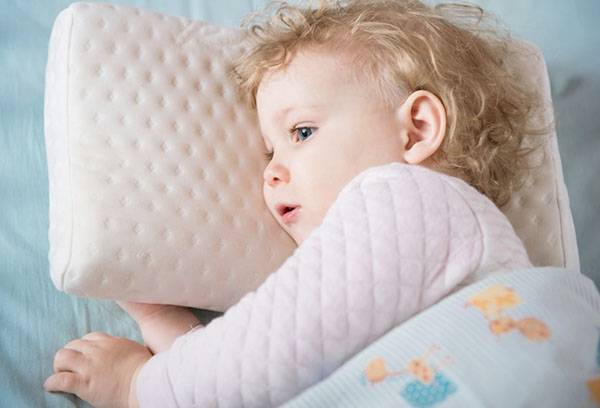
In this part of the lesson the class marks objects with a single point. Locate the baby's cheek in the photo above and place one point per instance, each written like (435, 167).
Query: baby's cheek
(267, 201)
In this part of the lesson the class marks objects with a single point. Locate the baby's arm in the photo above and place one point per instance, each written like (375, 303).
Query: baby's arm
(160, 325)
(368, 268)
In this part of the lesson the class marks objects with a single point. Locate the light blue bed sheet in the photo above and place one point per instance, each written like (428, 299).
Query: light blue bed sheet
(36, 319)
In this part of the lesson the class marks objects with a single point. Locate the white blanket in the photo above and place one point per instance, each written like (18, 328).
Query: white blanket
(397, 239)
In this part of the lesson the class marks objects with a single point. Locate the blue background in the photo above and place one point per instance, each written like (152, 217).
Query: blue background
(36, 319)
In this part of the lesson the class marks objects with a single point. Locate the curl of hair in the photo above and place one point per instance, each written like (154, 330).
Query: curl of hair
(402, 46)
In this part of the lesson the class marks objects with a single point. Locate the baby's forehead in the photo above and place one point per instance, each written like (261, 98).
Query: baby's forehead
(310, 62)
(309, 79)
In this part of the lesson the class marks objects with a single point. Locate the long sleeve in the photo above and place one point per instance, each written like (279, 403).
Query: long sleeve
(396, 240)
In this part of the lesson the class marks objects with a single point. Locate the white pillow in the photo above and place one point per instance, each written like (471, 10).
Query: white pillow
(155, 165)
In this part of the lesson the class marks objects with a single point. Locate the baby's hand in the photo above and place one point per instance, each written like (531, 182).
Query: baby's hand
(99, 369)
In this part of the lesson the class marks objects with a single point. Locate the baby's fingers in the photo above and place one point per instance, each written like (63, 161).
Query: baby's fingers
(64, 382)
(67, 359)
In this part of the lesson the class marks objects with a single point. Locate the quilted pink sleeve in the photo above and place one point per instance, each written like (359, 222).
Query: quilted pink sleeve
(397, 239)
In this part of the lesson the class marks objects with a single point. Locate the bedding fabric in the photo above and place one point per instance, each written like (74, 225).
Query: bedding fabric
(397, 239)
(526, 338)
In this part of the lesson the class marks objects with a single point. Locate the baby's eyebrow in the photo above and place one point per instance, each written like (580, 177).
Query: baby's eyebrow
(282, 113)
(285, 112)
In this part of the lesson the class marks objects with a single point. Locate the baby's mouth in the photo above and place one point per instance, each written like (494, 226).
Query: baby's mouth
(288, 212)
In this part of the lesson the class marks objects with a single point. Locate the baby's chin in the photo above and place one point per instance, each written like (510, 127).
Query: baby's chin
(296, 237)
(294, 232)
(301, 230)
(300, 233)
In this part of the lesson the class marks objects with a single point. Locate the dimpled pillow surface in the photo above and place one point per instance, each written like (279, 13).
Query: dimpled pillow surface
(155, 164)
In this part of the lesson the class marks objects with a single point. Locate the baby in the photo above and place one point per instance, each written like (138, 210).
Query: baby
(338, 89)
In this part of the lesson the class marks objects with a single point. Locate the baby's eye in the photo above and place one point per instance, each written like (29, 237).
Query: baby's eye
(269, 156)
(303, 132)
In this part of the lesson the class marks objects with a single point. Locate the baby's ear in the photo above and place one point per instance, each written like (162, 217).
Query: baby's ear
(423, 125)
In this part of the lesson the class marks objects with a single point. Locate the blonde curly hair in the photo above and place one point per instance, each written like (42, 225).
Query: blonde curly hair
(404, 46)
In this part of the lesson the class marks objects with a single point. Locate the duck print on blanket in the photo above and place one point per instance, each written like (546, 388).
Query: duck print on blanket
(493, 303)
(429, 385)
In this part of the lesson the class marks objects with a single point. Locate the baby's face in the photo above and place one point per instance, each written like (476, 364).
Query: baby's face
(323, 127)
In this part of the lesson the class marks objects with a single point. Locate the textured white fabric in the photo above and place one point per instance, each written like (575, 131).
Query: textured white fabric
(397, 239)
(155, 164)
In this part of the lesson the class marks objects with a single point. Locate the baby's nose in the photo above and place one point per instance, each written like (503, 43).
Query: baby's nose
(276, 173)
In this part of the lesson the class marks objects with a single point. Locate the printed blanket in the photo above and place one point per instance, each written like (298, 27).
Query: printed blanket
(526, 338)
